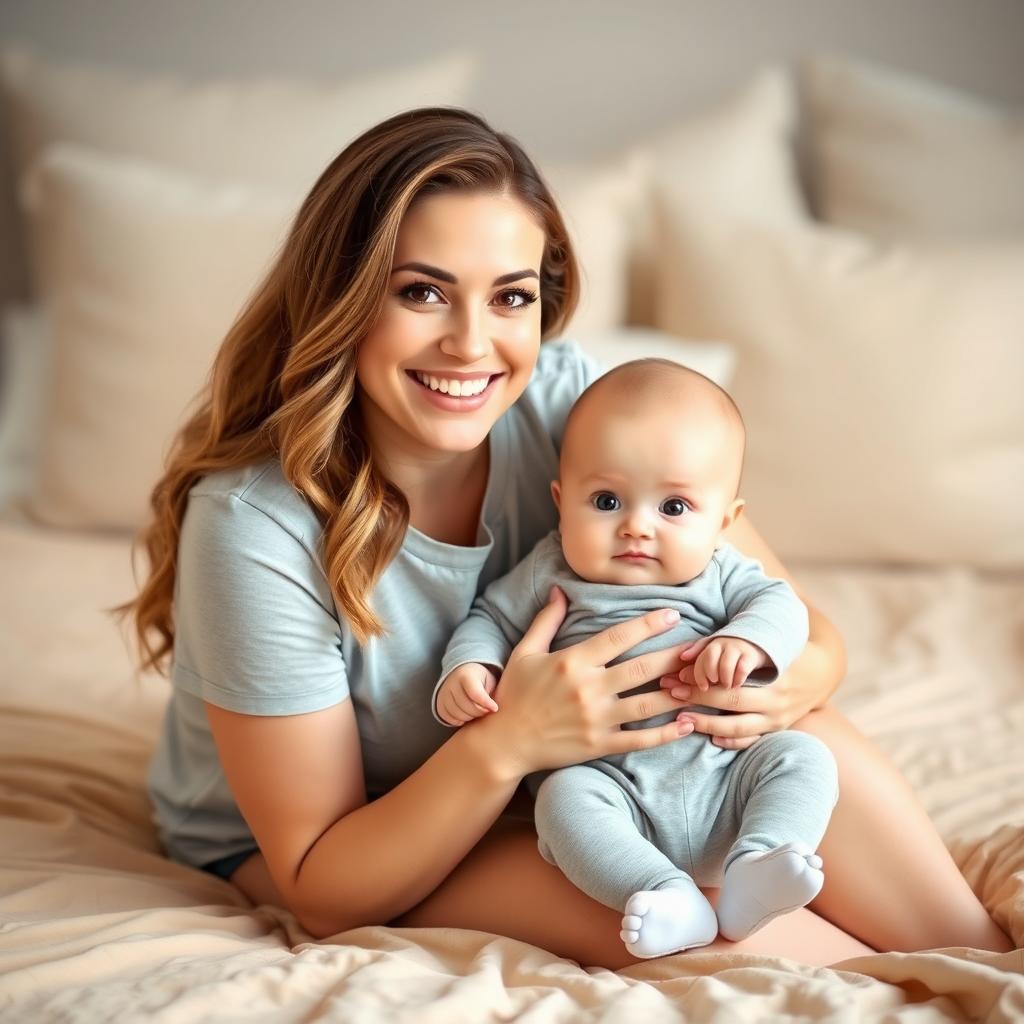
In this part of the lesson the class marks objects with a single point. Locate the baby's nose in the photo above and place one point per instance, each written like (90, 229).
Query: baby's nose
(637, 524)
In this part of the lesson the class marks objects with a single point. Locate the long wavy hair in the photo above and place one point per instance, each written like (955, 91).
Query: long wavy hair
(283, 382)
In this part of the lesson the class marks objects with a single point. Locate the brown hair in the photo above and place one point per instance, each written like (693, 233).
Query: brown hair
(284, 379)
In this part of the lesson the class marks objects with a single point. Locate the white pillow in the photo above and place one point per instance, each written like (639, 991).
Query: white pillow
(275, 131)
(147, 268)
(902, 158)
(881, 384)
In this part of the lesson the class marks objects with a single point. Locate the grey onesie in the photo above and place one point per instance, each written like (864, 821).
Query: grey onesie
(653, 818)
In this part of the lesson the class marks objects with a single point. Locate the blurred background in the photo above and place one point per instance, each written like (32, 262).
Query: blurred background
(571, 79)
(821, 203)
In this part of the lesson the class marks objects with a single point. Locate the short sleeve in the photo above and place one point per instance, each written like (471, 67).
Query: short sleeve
(256, 628)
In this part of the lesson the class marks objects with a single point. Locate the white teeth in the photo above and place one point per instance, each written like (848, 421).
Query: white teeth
(456, 388)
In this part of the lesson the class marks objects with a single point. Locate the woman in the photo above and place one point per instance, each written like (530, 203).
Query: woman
(375, 445)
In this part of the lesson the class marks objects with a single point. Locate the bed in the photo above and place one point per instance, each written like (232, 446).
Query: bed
(96, 924)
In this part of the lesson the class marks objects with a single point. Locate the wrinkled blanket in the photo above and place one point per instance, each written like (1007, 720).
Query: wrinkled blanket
(96, 925)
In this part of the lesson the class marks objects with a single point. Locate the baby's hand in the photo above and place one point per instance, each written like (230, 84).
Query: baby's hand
(725, 660)
(466, 694)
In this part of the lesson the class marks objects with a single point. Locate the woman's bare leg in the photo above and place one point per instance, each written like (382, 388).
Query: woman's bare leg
(504, 886)
(889, 879)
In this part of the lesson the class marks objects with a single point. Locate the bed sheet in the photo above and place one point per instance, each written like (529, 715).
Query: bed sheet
(95, 924)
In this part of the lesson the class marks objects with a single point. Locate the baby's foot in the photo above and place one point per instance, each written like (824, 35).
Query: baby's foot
(662, 921)
(760, 886)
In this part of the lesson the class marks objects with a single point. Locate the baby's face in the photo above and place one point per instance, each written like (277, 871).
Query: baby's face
(645, 497)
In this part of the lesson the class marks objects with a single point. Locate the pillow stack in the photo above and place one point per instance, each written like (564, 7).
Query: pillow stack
(153, 207)
(881, 355)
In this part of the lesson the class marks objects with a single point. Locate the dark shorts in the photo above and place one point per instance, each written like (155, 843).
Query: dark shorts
(225, 866)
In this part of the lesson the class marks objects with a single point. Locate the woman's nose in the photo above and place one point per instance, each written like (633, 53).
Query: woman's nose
(467, 339)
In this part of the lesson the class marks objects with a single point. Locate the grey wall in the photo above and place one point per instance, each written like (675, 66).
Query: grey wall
(567, 78)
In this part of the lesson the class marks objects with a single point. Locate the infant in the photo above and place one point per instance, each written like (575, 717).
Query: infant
(648, 481)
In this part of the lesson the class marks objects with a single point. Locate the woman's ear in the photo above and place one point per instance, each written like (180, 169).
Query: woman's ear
(556, 494)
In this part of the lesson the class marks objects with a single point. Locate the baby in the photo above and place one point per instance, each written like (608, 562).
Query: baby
(649, 474)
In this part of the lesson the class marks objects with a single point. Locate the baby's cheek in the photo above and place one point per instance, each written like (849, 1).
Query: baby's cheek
(583, 549)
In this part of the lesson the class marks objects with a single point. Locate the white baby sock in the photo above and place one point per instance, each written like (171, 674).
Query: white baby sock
(662, 921)
(760, 886)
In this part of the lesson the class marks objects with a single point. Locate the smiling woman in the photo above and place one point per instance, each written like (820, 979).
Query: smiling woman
(325, 521)
(432, 340)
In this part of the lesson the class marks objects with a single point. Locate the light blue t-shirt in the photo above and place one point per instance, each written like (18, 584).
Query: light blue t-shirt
(257, 630)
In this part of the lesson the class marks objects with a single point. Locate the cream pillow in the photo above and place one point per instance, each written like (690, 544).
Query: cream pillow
(275, 131)
(880, 383)
(714, 359)
(738, 153)
(901, 157)
(270, 131)
(600, 204)
(147, 268)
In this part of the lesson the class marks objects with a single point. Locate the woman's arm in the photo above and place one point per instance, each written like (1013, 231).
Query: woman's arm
(340, 862)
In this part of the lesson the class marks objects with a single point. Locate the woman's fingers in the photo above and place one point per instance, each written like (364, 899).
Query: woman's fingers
(625, 740)
(729, 726)
(644, 705)
(607, 645)
(641, 669)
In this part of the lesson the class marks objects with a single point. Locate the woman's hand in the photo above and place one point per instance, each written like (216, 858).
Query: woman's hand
(756, 709)
(563, 708)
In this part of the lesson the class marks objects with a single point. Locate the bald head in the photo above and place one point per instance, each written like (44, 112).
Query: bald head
(665, 389)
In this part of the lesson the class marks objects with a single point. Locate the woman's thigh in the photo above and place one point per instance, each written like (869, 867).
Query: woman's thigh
(504, 886)
(889, 878)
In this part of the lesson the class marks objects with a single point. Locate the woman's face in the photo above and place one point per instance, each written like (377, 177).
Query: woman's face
(460, 329)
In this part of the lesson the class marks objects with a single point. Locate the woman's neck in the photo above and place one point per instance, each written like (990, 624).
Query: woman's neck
(445, 490)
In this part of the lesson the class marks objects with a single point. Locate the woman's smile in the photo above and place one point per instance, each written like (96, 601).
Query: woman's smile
(454, 392)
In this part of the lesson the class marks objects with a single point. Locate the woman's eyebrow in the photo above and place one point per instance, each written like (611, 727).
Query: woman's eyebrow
(443, 275)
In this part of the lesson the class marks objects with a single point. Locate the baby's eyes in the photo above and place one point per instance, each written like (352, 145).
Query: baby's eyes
(605, 501)
(674, 507)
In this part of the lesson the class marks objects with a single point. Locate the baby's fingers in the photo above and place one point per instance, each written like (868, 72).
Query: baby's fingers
(477, 692)
(727, 675)
(449, 711)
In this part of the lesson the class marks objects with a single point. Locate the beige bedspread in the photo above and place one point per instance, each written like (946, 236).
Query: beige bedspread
(95, 925)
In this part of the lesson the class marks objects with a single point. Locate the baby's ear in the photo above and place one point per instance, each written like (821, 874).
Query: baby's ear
(732, 513)
(556, 494)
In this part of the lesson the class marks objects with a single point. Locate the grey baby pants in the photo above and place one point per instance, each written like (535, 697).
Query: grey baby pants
(649, 819)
